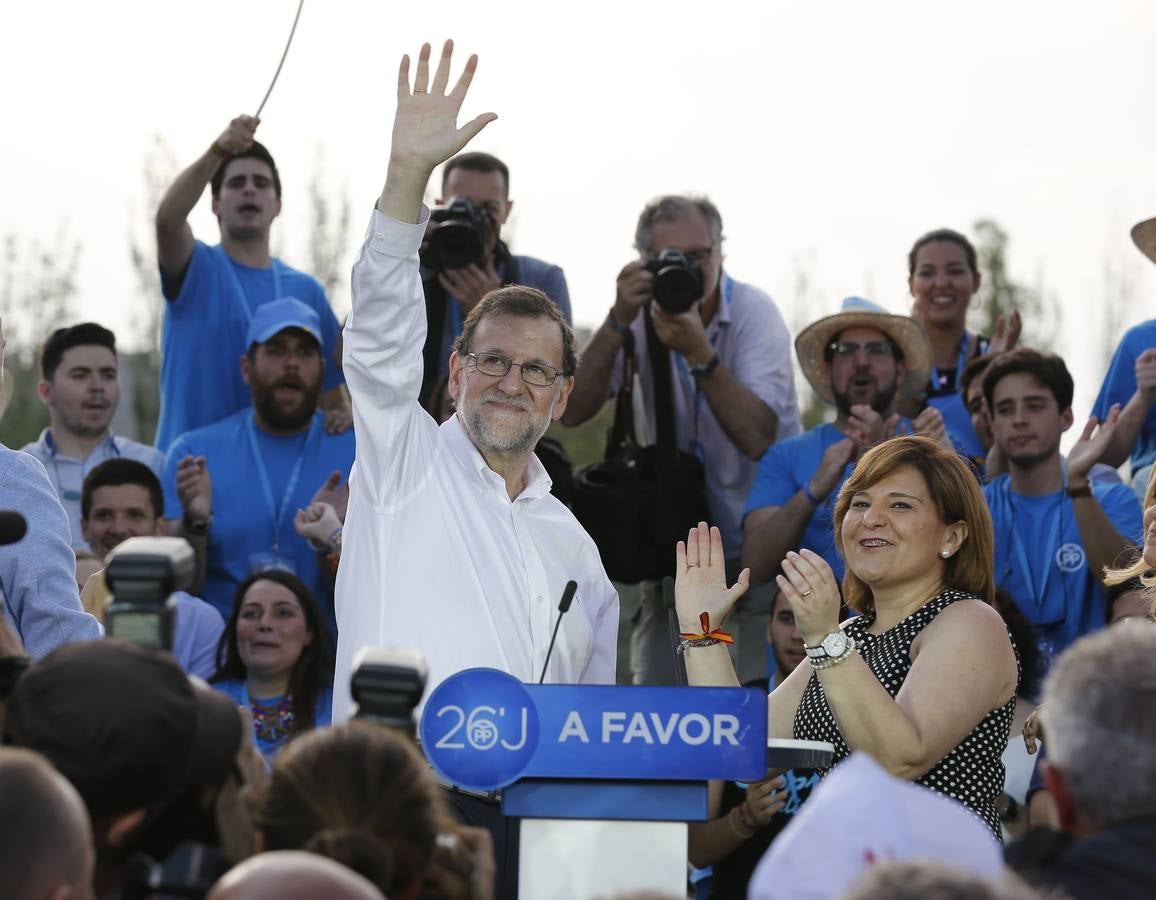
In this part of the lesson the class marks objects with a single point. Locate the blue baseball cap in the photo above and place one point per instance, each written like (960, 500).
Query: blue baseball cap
(274, 317)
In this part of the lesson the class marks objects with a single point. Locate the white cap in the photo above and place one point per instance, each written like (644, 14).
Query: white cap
(860, 815)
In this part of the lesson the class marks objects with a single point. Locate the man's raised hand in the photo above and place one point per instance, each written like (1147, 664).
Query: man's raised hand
(425, 129)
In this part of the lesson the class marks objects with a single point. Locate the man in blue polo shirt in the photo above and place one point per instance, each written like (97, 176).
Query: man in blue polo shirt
(80, 385)
(1055, 530)
(266, 461)
(864, 361)
(212, 293)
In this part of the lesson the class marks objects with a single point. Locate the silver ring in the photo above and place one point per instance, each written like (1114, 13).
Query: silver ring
(807, 593)
(417, 91)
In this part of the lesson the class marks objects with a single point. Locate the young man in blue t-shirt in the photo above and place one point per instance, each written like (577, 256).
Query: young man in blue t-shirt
(266, 461)
(862, 360)
(212, 293)
(1055, 530)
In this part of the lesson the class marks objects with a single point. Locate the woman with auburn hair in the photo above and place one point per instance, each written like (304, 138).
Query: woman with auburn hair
(924, 679)
(361, 794)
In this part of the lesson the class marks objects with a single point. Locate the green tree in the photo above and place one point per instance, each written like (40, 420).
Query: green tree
(37, 286)
(999, 293)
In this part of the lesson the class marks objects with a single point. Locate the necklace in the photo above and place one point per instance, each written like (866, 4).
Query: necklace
(272, 722)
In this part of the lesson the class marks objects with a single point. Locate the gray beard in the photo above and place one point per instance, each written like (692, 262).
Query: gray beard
(503, 441)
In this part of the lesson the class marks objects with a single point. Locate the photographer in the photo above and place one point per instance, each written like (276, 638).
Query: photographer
(731, 378)
(464, 257)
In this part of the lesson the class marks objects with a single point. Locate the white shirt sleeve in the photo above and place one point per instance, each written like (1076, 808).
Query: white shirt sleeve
(382, 358)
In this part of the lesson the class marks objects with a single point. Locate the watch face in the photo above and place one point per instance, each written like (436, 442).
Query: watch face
(835, 643)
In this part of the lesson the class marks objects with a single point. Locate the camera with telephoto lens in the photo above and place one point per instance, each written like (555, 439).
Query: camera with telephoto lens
(142, 574)
(387, 684)
(677, 280)
(461, 237)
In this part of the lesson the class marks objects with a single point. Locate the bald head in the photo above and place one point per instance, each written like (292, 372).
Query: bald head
(47, 847)
(292, 875)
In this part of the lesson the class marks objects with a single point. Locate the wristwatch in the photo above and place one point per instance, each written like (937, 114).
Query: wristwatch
(704, 371)
(835, 647)
(197, 527)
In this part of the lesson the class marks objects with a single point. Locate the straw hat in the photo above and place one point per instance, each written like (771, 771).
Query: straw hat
(811, 345)
(1144, 236)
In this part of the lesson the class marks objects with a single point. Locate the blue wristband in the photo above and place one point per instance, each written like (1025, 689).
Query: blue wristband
(807, 493)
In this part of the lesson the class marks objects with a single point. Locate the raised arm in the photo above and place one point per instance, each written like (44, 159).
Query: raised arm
(425, 131)
(386, 329)
(174, 236)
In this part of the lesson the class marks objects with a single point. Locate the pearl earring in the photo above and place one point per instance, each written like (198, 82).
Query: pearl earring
(944, 553)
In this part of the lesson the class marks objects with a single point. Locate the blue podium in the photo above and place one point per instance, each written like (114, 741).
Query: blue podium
(605, 778)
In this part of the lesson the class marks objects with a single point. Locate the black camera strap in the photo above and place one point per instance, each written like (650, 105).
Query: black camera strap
(436, 299)
(659, 355)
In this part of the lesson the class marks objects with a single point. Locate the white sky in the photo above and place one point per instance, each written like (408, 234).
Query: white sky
(830, 134)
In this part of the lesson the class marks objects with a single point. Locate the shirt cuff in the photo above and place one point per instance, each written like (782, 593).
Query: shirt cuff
(396, 238)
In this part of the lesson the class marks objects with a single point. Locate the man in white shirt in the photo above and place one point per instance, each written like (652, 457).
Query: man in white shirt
(453, 543)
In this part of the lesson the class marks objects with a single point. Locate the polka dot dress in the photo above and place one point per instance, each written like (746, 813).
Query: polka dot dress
(973, 772)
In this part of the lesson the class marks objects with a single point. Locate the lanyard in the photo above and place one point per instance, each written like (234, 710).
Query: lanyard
(939, 379)
(1021, 555)
(230, 268)
(278, 512)
(689, 385)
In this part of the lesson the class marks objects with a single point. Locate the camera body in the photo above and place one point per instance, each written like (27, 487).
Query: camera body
(678, 280)
(387, 684)
(142, 574)
(461, 237)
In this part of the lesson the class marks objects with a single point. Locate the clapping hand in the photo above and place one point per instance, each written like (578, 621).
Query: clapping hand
(809, 584)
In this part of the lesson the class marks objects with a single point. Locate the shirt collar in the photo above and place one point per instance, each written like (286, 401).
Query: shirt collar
(461, 444)
(48, 443)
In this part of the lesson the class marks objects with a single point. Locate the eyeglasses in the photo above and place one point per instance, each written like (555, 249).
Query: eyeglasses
(496, 365)
(875, 349)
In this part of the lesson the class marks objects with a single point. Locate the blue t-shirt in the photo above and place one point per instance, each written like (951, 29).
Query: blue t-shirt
(205, 325)
(243, 536)
(268, 738)
(1040, 558)
(196, 633)
(546, 277)
(961, 431)
(783, 471)
(1120, 384)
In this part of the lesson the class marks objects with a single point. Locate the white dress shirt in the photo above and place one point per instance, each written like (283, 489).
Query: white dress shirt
(435, 555)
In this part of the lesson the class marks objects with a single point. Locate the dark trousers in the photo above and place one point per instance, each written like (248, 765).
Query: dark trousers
(504, 831)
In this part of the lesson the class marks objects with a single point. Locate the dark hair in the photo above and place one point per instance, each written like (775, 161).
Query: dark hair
(971, 372)
(957, 498)
(63, 339)
(360, 794)
(1114, 592)
(314, 667)
(256, 151)
(527, 302)
(119, 471)
(1046, 368)
(476, 162)
(943, 234)
(1023, 638)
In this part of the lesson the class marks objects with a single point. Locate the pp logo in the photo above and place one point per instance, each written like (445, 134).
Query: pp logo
(480, 729)
(1071, 558)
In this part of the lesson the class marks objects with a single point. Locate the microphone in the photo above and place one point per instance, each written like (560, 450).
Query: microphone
(672, 624)
(13, 526)
(568, 593)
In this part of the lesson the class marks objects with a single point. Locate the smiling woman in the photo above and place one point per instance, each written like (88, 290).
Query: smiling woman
(913, 528)
(275, 659)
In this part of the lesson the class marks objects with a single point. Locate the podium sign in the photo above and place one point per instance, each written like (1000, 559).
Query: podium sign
(483, 729)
